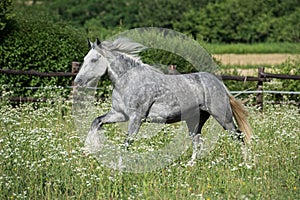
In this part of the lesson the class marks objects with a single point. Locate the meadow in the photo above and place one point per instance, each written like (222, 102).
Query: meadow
(255, 48)
(41, 157)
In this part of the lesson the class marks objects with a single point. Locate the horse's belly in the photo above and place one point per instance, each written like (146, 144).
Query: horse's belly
(174, 105)
(162, 113)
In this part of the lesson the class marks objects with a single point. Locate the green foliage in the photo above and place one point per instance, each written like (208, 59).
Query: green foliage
(160, 13)
(95, 29)
(131, 13)
(285, 27)
(289, 67)
(39, 43)
(232, 21)
(225, 21)
(99, 18)
(163, 59)
(5, 13)
(214, 21)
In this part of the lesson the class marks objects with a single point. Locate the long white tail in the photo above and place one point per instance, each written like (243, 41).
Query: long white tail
(240, 115)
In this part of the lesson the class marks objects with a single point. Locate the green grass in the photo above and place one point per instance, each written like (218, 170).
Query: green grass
(41, 158)
(259, 48)
(248, 66)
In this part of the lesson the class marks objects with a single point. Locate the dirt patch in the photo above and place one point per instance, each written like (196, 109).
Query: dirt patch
(254, 59)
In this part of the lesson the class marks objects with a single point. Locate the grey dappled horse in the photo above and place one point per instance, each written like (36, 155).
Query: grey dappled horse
(141, 92)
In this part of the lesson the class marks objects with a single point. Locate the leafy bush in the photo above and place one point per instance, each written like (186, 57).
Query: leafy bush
(288, 67)
(39, 42)
(5, 13)
(232, 21)
(163, 59)
(226, 21)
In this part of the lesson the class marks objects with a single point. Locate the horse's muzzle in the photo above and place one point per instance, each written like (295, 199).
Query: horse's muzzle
(79, 82)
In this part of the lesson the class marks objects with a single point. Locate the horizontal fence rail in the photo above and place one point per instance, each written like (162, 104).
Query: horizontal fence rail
(264, 92)
(36, 73)
(232, 92)
(263, 76)
(280, 76)
(260, 78)
(240, 78)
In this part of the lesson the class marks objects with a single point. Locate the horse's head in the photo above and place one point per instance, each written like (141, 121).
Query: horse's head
(94, 66)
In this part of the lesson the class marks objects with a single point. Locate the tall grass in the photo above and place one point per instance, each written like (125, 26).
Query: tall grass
(41, 158)
(259, 48)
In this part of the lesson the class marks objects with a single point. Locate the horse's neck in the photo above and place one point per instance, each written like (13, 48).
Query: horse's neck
(120, 66)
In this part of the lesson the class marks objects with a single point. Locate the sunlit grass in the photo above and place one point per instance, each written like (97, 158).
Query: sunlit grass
(257, 48)
(41, 158)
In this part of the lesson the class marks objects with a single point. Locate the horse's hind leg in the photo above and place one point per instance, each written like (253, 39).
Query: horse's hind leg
(195, 132)
(134, 125)
(225, 118)
(222, 112)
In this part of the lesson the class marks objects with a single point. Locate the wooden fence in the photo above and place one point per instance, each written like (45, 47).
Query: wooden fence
(260, 79)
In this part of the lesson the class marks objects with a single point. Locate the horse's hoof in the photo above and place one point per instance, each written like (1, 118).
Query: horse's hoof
(191, 163)
(85, 152)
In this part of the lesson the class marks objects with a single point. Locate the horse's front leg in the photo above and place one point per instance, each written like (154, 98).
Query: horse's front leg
(94, 141)
(110, 117)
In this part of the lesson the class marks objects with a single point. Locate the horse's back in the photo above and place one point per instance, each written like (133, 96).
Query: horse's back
(171, 95)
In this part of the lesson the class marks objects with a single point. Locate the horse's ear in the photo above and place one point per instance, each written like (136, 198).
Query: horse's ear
(89, 43)
(98, 42)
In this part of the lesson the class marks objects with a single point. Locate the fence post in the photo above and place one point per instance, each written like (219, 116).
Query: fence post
(75, 69)
(259, 95)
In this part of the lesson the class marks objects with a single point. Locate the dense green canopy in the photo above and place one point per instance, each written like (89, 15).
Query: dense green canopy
(226, 21)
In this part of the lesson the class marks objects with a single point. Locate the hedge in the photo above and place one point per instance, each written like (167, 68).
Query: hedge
(38, 42)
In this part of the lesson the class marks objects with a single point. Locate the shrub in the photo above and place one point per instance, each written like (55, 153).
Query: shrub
(288, 67)
(5, 13)
(42, 43)
(234, 21)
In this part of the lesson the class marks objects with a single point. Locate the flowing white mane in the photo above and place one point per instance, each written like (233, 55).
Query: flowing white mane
(124, 45)
(129, 49)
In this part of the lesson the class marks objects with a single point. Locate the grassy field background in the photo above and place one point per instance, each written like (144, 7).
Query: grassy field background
(41, 157)
(255, 48)
(254, 59)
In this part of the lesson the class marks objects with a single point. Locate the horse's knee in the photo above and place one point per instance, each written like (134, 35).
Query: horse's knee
(97, 123)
